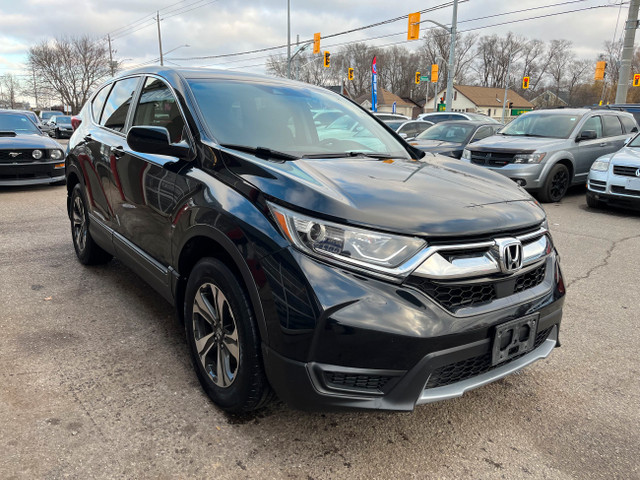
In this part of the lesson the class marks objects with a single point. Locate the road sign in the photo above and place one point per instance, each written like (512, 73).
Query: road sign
(393, 107)
(425, 78)
(525, 82)
(636, 80)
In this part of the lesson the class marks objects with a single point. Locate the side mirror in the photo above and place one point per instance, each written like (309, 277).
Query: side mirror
(156, 140)
(586, 135)
(75, 122)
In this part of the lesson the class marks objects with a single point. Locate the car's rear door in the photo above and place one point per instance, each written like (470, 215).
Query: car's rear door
(587, 151)
(147, 195)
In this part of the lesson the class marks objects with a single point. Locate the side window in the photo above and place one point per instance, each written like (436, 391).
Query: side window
(612, 126)
(114, 115)
(594, 123)
(482, 132)
(157, 107)
(629, 125)
(98, 103)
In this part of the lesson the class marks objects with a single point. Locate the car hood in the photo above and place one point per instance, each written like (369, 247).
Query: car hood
(625, 156)
(435, 145)
(434, 197)
(28, 141)
(517, 143)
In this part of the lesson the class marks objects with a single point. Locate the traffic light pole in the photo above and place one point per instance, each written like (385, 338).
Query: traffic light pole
(627, 52)
(452, 59)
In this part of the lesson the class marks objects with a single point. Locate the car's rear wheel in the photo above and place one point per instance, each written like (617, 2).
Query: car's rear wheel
(223, 338)
(593, 202)
(87, 250)
(556, 185)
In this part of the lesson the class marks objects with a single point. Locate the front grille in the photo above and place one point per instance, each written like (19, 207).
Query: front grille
(347, 380)
(24, 156)
(492, 159)
(471, 367)
(625, 171)
(454, 296)
(624, 191)
(598, 185)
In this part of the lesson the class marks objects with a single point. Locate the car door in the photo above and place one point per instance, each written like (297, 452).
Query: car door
(587, 151)
(613, 133)
(147, 195)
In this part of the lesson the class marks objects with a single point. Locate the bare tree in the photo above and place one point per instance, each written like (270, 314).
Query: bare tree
(435, 49)
(71, 67)
(10, 89)
(561, 55)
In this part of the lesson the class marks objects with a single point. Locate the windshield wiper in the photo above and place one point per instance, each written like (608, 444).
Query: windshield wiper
(261, 152)
(350, 154)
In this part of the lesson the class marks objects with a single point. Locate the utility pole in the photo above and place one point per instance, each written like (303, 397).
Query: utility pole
(111, 56)
(627, 52)
(452, 59)
(289, 39)
(506, 87)
(159, 38)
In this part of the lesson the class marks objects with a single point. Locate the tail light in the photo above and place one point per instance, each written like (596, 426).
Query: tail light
(75, 122)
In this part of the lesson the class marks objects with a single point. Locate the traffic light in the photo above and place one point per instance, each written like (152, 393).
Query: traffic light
(525, 83)
(434, 73)
(600, 70)
(327, 62)
(316, 42)
(413, 32)
(417, 78)
(636, 80)
(350, 74)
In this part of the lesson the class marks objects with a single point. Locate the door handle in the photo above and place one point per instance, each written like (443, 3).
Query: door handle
(118, 151)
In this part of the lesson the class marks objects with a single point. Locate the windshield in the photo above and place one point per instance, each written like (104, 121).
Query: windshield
(63, 119)
(635, 142)
(281, 118)
(48, 115)
(18, 124)
(551, 125)
(447, 132)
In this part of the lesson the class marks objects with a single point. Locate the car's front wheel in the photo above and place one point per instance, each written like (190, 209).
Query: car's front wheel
(593, 202)
(556, 185)
(87, 250)
(223, 338)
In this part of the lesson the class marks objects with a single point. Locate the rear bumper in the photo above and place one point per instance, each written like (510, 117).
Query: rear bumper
(31, 173)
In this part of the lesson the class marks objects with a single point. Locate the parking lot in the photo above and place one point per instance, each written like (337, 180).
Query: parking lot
(96, 379)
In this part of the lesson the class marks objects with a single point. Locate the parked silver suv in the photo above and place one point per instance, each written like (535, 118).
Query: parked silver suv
(546, 151)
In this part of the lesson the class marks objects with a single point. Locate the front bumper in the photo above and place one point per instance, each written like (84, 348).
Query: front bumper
(611, 189)
(32, 173)
(531, 174)
(375, 344)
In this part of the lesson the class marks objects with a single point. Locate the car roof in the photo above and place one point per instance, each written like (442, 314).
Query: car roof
(572, 111)
(474, 123)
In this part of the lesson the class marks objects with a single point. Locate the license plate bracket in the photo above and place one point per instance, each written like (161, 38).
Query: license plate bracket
(633, 184)
(514, 338)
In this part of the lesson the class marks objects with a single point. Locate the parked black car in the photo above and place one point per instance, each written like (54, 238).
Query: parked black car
(60, 126)
(450, 138)
(27, 156)
(339, 272)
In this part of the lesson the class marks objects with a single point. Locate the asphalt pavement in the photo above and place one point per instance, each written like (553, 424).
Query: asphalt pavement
(96, 381)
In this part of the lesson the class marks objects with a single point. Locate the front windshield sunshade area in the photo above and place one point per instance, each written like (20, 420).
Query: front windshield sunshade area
(447, 132)
(17, 123)
(551, 125)
(292, 119)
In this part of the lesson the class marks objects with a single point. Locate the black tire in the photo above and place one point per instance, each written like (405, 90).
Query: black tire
(223, 338)
(593, 202)
(556, 184)
(87, 250)
(56, 133)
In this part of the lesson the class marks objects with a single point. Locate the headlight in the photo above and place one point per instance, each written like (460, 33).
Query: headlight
(364, 248)
(528, 157)
(600, 165)
(56, 154)
(466, 154)
(37, 154)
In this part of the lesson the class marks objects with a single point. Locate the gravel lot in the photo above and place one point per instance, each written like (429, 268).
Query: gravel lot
(96, 380)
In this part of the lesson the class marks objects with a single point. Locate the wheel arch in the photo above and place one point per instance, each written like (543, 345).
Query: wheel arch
(207, 242)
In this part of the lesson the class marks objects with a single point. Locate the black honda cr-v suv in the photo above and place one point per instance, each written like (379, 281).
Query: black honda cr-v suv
(332, 264)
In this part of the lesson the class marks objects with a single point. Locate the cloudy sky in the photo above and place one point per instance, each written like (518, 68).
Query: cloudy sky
(216, 27)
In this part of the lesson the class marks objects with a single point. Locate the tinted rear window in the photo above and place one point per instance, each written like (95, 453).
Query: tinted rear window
(629, 124)
(612, 126)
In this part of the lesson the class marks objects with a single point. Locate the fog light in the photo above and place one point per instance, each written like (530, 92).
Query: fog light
(37, 154)
(520, 182)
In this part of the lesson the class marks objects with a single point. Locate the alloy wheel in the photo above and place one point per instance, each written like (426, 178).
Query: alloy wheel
(216, 335)
(559, 184)
(79, 223)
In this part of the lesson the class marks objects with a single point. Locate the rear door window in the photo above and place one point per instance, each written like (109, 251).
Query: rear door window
(98, 103)
(612, 126)
(628, 124)
(114, 115)
(157, 107)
